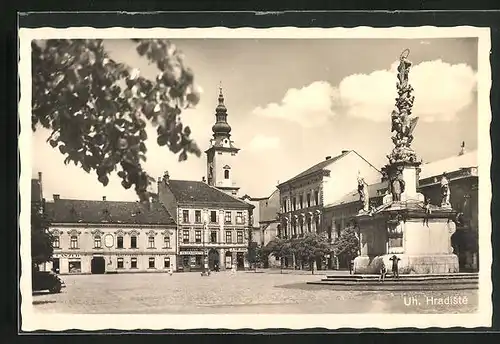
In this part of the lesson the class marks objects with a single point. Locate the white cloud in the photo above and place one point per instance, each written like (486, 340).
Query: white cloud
(441, 90)
(261, 142)
(310, 105)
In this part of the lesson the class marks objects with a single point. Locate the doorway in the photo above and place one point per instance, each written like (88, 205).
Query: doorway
(229, 260)
(240, 260)
(98, 265)
(55, 265)
(213, 259)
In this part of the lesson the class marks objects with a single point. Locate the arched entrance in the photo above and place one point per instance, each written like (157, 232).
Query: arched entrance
(213, 258)
(98, 265)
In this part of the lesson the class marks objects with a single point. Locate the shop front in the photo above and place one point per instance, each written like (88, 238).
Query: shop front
(190, 260)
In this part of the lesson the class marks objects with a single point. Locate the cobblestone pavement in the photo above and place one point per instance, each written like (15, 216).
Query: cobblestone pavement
(223, 292)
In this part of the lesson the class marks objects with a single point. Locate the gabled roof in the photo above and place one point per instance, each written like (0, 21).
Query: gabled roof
(87, 211)
(453, 163)
(353, 196)
(324, 164)
(190, 191)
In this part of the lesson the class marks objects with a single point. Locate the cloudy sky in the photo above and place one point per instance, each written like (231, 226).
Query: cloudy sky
(292, 102)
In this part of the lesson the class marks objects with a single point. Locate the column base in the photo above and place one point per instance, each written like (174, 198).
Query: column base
(409, 264)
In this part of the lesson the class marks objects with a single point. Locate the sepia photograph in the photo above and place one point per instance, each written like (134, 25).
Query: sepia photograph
(255, 178)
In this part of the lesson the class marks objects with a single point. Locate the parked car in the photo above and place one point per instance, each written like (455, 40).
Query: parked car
(47, 280)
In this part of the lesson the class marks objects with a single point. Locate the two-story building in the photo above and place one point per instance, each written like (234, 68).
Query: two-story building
(212, 225)
(96, 237)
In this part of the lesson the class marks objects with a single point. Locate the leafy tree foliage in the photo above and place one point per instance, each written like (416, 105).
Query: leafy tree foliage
(97, 108)
(280, 248)
(311, 247)
(41, 239)
(347, 243)
(254, 254)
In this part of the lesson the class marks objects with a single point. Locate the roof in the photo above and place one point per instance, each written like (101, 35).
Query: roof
(318, 167)
(87, 211)
(353, 196)
(189, 191)
(453, 163)
(324, 164)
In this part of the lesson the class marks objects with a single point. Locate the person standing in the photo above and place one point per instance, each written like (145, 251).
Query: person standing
(383, 272)
(395, 268)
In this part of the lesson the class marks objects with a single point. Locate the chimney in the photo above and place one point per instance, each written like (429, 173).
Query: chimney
(104, 198)
(328, 157)
(203, 179)
(56, 197)
(345, 151)
(166, 177)
(40, 177)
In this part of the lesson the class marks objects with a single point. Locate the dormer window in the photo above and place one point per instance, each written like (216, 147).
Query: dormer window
(226, 174)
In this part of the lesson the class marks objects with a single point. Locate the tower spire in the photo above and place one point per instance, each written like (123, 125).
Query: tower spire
(221, 128)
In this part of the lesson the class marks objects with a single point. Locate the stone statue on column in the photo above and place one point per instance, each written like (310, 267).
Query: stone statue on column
(364, 197)
(397, 186)
(445, 192)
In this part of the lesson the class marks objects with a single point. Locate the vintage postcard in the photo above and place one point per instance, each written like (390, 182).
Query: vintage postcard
(255, 178)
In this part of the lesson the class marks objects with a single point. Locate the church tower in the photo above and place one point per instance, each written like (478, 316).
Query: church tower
(221, 155)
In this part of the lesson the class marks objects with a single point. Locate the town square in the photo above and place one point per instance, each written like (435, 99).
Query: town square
(203, 176)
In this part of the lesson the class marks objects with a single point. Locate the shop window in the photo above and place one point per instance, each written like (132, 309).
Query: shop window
(75, 266)
(166, 263)
(119, 263)
(151, 264)
(133, 263)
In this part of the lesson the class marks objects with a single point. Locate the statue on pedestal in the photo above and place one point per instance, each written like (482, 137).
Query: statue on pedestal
(397, 186)
(445, 192)
(363, 194)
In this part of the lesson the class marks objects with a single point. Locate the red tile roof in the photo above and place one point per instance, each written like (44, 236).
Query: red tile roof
(86, 211)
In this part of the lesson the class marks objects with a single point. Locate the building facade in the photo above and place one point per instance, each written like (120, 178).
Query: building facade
(96, 237)
(213, 226)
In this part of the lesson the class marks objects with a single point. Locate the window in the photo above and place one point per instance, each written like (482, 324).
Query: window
(213, 237)
(316, 197)
(119, 263)
(301, 226)
(75, 266)
(97, 241)
(227, 218)
(239, 217)
(185, 236)
(308, 197)
(197, 236)
(309, 225)
(316, 220)
(56, 242)
(119, 242)
(151, 264)
(226, 174)
(73, 243)
(229, 237)
(166, 263)
(294, 203)
(213, 216)
(239, 237)
(301, 202)
(133, 242)
(166, 242)
(185, 216)
(197, 216)
(284, 205)
(151, 241)
(133, 263)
